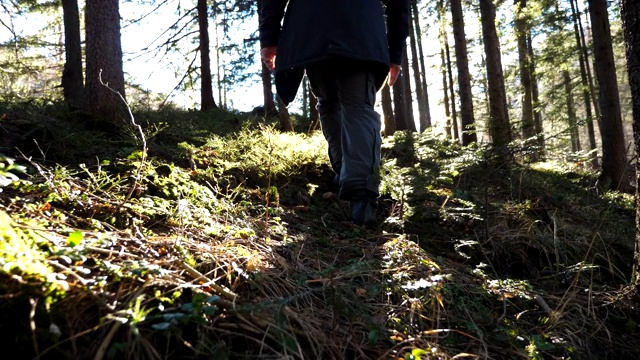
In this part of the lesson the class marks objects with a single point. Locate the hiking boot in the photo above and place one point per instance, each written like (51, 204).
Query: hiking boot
(363, 211)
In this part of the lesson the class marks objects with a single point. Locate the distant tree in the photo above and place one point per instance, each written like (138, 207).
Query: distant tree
(104, 60)
(630, 11)
(314, 115)
(283, 116)
(499, 127)
(400, 103)
(407, 95)
(614, 156)
(206, 82)
(522, 31)
(72, 79)
(445, 91)
(464, 77)
(571, 112)
(452, 121)
(422, 97)
(387, 111)
(586, 84)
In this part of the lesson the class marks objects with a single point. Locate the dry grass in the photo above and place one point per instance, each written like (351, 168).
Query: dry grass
(256, 261)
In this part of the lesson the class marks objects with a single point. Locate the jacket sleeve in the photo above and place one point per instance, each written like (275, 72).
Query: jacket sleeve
(271, 15)
(397, 28)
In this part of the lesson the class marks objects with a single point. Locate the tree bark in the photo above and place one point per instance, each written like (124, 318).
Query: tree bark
(499, 127)
(464, 77)
(104, 61)
(206, 82)
(630, 11)
(72, 79)
(614, 157)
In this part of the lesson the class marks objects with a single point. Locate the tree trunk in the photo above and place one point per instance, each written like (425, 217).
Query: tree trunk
(614, 157)
(423, 107)
(267, 92)
(452, 120)
(630, 11)
(399, 104)
(406, 88)
(283, 115)
(586, 95)
(452, 92)
(206, 82)
(305, 98)
(445, 89)
(464, 77)
(313, 110)
(535, 97)
(104, 61)
(527, 124)
(72, 79)
(571, 112)
(423, 70)
(267, 89)
(387, 111)
(499, 127)
(587, 62)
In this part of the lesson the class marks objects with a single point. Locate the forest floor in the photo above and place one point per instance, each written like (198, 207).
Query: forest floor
(215, 236)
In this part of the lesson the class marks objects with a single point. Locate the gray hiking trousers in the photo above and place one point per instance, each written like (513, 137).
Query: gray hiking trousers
(346, 94)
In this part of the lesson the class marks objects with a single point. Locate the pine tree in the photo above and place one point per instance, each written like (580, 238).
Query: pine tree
(104, 71)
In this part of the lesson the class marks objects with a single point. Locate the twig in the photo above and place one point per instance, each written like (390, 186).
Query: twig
(142, 138)
(107, 340)
(543, 304)
(32, 324)
(226, 293)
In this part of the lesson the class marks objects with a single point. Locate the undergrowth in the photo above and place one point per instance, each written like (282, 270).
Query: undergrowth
(228, 242)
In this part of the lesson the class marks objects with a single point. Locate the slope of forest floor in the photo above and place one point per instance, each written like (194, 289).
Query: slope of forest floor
(225, 240)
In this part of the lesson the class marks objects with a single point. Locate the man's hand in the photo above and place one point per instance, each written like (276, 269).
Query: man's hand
(268, 55)
(394, 73)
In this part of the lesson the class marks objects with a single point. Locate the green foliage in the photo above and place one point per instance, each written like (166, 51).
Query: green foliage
(9, 171)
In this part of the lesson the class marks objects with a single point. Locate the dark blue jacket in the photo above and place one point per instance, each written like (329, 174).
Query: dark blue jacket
(314, 30)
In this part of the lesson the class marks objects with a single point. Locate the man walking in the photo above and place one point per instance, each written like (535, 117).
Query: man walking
(347, 48)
